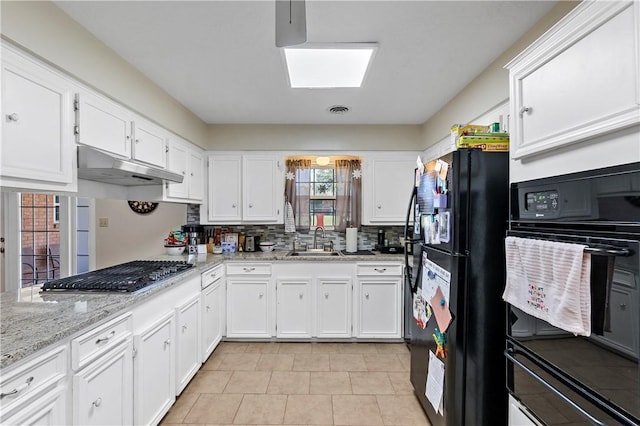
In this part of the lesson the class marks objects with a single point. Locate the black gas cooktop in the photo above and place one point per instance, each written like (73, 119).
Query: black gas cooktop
(127, 277)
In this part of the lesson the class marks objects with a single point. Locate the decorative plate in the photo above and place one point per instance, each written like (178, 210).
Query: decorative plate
(142, 207)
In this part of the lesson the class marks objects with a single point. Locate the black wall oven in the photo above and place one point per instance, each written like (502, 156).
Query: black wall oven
(560, 378)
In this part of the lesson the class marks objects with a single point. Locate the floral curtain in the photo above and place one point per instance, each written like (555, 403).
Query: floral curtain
(296, 195)
(348, 194)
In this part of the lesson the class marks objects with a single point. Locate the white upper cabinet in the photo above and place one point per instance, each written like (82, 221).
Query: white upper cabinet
(37, 125)
(262, 189)
(387, 184)
(247, 188)
(149, 143)
(578, 81)
(104, 124)
(187, 160)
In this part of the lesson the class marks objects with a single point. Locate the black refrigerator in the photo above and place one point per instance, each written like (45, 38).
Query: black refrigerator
(472, 251)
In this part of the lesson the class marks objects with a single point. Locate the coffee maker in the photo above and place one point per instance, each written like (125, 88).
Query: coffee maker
(195, 235)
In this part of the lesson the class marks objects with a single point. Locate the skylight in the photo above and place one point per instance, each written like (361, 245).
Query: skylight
(328, 66)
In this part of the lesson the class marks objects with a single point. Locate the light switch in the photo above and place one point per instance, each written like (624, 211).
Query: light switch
(103, 222)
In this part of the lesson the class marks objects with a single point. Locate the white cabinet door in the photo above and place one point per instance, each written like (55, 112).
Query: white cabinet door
(262, 189)
(293, 310)
(212, 317)
(154, 371)
(248, 307)
(387, 185)
(48, 409)
(378, 308)
(37, 124)
(150, 143)
(103, 391)
(553, 105)
(103, 124)
(178, 163)
(196, 176)
(225, 177)
(187, 342)
(333, 305)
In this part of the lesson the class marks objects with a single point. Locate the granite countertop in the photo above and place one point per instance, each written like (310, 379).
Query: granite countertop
(31, 321)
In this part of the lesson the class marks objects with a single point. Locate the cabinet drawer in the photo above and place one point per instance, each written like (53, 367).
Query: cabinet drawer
(380, 270)
(36, 374)
(212, 275)
(99, 340)
(248, 269)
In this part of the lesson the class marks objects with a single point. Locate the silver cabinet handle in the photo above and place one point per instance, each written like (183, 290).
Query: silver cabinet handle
(379, 206)
(215, 274)
(184, 173)
(97, 402)
(366, 295)
(191, 174)
(301, 295)
(326, 295)
(250, 205)
(184, 328)
(249, 269)
(233, 205)
(13, 117)
(261, 295)
(623, 306)
(380, 270)
(167, 342)
(19, 388)
(106, 339)
(137, 140)
(524, 109)
(208, 307)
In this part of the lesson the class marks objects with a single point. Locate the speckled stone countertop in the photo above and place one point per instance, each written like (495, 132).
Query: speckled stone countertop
(31, 321)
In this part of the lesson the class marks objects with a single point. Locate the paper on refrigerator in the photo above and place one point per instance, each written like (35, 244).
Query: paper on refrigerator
(435, 382)
(434, 276)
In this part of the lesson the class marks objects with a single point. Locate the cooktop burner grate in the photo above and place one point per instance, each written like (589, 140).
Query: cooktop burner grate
(127, 277)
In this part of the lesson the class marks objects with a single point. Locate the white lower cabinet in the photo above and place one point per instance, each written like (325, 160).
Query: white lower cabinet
(37, 392)
(187, 340)
(333, 305)
(213, 309)
(293, 310)
(154, 375)
(250, 302)
(378, 296)
(103, 391)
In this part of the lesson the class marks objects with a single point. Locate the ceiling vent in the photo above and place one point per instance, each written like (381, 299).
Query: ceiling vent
(339, 109)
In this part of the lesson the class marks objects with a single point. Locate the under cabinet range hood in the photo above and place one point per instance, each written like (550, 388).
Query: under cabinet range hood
(100, 166)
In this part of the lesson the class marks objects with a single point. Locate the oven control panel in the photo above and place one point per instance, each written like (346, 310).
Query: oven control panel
(541, 201)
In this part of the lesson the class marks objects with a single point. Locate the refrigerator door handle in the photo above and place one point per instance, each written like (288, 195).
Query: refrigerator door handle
(510, 357)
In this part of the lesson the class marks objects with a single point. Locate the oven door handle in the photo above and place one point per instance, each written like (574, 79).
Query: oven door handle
(510, 357)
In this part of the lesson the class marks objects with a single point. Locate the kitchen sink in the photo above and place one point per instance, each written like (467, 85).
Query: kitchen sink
(313, 254)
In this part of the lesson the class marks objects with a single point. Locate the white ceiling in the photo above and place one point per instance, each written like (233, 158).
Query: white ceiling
(218, 58)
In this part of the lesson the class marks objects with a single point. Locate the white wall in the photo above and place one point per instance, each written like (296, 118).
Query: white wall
(131, 236)
(42, 28)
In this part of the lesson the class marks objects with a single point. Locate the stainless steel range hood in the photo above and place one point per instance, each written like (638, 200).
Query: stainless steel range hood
(100, 166)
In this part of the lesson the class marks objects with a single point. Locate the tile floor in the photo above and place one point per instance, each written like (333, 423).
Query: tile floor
(301, 384)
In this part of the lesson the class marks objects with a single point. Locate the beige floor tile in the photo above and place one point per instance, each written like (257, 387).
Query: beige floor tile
(275, 362)
(214, 408)
(405, 361)
(232, 347)
(347, 362)
(248, 382)
(213, 362)
(392, 348)
(311, 362)
(261, 409)
(207, 381)
(308, 410)
(383, 363)
(371, 383)
(359, 348)
(326, 348)
(289, 382)
(401, 383)
(239, 361)
(330, 383)
(180, 408)
(263, 347)
(401, 410)
(295, 348)
(356, 410)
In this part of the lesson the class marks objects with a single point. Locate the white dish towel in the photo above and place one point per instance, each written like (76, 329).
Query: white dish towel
(551, 281)
(289, 219)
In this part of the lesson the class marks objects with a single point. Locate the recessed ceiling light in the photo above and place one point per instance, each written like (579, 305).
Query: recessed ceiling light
(328, 66)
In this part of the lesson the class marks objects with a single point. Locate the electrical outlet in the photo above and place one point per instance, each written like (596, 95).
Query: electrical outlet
(103, 222)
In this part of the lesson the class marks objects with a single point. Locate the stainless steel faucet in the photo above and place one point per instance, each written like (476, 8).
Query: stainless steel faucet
(315, 236)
